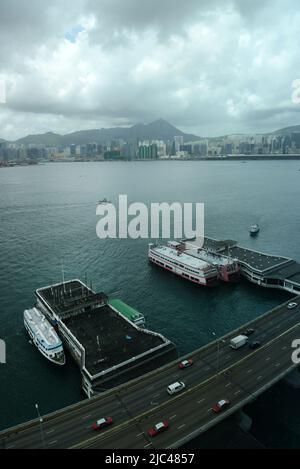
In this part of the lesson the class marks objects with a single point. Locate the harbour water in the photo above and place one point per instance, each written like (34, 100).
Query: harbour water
(48, 214)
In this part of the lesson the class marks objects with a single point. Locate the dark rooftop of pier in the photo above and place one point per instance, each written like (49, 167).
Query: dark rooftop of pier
(257, 260)
(108, 338)
(290, 271)
(69, 297)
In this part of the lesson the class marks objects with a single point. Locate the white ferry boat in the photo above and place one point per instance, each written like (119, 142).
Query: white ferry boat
(44, 336)
(184, 265)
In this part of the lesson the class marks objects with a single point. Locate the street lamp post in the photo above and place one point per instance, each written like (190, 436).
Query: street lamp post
(218, 351)
(218, 360)
(41, 425)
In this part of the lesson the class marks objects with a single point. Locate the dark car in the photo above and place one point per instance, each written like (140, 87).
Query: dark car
(254, 345)
(249, 332)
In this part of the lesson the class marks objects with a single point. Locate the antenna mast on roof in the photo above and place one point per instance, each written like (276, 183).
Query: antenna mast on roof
(63, 276)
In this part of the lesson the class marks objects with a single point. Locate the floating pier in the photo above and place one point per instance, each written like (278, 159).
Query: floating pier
(260, 268)
(108, 346)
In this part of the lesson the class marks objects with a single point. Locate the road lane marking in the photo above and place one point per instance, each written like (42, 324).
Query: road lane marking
(237, 392)
(140, 434)
(268, 359)
(10, 446)
(52, 443)
(208, 380)
(150, 387)
(284, 348)
(181, 426)
(258, 378)
(201, 400)
(149, 444)
(49, 432)
(156, 395)
(86, 417)
(249, 371)
(173, 417)
(227, 385)
(278, 364)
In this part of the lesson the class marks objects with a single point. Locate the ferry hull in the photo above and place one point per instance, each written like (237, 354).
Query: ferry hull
(229, 277)
(205, 282)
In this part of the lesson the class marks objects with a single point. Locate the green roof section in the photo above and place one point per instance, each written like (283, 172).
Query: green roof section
(127, 311)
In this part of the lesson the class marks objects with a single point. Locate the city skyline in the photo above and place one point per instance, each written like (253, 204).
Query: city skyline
(158, 140)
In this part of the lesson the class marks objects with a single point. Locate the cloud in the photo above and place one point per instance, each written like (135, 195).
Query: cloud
(208, 68)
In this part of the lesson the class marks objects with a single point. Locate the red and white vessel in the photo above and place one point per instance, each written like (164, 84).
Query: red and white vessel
(228, 268)
(189, 267)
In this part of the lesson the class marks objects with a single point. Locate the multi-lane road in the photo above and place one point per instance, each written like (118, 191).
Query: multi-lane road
(218, 372)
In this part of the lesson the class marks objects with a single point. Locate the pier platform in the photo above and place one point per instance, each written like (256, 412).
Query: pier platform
(107, 345)
(263, 269)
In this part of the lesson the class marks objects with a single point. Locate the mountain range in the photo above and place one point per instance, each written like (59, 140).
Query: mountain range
(157, 130)
(287, 130)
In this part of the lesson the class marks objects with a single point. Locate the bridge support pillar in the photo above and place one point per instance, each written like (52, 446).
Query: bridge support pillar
(244, 421)
(293, 379)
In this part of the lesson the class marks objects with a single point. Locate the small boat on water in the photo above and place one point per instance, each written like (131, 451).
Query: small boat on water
(254, 229)
(104, 202)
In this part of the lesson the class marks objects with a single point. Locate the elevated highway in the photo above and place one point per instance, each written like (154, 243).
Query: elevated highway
(218, 372)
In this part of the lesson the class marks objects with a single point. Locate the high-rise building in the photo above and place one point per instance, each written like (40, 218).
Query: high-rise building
(178, 141)
(228, 149)
(129, 150)
(91, 149)
(148, 152)
(73, 150)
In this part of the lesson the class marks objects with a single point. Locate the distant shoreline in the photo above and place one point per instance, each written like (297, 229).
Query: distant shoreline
(241, 158)
(206, 158)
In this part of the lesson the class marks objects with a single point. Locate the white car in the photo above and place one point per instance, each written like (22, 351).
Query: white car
(175, 387)
(292, 305)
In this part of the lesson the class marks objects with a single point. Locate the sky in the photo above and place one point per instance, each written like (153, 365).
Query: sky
(209, 67)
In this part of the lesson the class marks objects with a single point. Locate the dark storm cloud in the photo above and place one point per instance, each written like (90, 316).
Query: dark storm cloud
(25, 26)
(207, 66)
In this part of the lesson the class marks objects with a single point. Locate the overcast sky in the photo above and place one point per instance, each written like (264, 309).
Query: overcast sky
(210, 67)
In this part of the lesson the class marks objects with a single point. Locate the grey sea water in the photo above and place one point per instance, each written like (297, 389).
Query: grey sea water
(48, 214)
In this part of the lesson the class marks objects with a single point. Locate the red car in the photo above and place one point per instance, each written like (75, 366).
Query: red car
(185, 363)
(221, 405)
(158, 428)
(102, 423)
